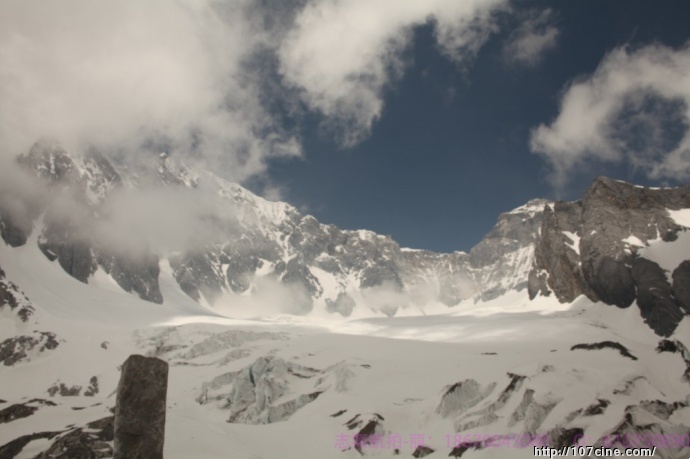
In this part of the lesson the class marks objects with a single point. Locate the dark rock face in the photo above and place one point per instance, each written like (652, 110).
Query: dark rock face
(14, 412)
(81, 444)
(62, 238)
(140, 411)
(662, 409)
(62, 243)
(64, 390)
(655, 297)
(11, 296)
(611, 280)
(370, 433)
(90, 443)
(560, 437)
(537, 283)
(15, 230)
(93, 387)
(554, 255)
(597, 408)
(610, 223)
(681, 285)
(51, 162)
(134, 274)
(460, 450)
(22, 410)
(18, 348)
(14, 448)
(605, 345)
(195, 272)
(422, 451)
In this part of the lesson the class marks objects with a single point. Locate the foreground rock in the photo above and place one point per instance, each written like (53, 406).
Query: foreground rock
(140, 410)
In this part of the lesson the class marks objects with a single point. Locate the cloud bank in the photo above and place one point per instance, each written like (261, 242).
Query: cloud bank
(634, 108)
(342, 55)
(126, 74)
(204, 77)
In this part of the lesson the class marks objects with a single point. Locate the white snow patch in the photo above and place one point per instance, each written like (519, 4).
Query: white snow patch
(668, 255)
(574, 241)
(531, 208)
(634, 240)
(682, 217)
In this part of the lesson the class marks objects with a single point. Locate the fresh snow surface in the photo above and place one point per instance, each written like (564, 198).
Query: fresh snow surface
(634, 240)
(668, 255)
(682, 217)
(396, 367)
(532, 207)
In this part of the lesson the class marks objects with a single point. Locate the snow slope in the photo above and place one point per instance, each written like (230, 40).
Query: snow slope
(512, 358)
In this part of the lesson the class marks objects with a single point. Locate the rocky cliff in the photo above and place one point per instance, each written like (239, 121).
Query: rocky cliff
(620, 245)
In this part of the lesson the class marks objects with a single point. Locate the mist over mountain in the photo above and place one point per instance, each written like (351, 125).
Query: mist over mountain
(225, 245)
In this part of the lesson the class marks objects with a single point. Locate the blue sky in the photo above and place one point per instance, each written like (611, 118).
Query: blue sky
(421, 119)
(451, 149)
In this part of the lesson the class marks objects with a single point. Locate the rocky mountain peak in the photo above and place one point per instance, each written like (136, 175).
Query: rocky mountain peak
(597, 247)
(263, 243)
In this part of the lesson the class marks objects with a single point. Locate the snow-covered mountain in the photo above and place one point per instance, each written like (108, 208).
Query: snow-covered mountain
(237, 244)
(388, 352)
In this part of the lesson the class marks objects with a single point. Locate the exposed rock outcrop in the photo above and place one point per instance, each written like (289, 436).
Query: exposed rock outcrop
(92, 442)
(22, 347)
(140, 411)
(605, 345)
(655, 298)
(681, 285)
(592, 247)
(11, 297)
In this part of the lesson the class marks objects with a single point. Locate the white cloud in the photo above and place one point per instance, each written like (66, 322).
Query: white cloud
(115, 74)
(342, 55)
(184, 75)
(535, 36)
(645, 90)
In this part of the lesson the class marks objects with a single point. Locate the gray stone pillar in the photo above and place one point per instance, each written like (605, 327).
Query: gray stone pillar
(140, 408)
